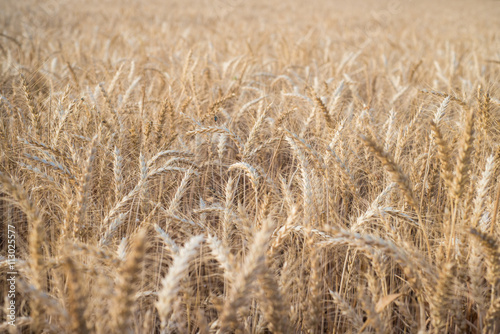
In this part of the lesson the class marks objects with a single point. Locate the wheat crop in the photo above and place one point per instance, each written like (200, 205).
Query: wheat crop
(249, 167)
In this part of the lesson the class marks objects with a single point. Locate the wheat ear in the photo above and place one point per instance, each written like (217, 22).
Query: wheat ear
(396, 173)
(128, 279)
(443, 297)
(252, 268)
(77, 302)
(464, 159)
(443, 154)
(171, 282)
(35, 242)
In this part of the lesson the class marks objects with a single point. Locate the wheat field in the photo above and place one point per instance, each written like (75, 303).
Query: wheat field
(235, 166)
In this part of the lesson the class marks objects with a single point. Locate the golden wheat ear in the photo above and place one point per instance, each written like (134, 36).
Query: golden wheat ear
(490, 245)
(171, 283)
(396, 173)
(77, 299)
(127, 285)
(36, 244)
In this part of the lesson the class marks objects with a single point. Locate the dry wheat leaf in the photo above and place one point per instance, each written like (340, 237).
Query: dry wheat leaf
(385, 301)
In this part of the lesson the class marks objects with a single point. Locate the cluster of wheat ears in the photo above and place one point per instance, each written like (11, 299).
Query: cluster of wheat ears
(269, 168)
